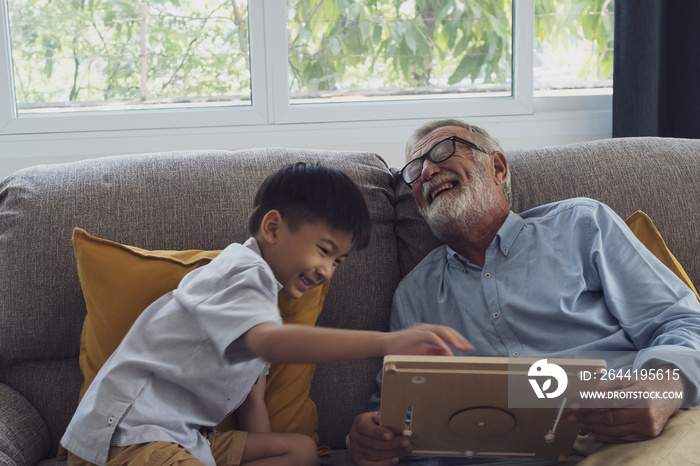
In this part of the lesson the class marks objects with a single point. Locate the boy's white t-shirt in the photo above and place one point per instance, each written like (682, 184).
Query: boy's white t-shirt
(182, 366)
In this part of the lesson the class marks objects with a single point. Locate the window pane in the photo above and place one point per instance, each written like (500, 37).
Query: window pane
(117, 54)
(388, 50)
(574, 44)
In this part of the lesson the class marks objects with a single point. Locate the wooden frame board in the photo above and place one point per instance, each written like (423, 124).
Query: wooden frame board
(461, 406)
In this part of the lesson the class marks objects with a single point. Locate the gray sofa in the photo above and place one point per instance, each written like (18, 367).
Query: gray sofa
(200, 200)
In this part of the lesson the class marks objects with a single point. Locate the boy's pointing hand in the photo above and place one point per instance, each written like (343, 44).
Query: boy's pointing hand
(426, 340)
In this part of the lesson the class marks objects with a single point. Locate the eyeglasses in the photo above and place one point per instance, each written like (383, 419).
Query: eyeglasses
(440, 152)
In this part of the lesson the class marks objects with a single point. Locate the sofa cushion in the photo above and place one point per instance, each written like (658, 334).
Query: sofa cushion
(644, 229)
(118, 283)
(29, 435)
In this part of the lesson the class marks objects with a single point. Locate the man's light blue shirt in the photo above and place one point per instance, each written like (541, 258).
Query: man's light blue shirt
(562, 278)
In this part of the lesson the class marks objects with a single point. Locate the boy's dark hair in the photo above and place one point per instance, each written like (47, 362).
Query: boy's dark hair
(308, 193)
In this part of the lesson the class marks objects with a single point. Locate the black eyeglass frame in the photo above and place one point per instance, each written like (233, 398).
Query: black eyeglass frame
(422, 158)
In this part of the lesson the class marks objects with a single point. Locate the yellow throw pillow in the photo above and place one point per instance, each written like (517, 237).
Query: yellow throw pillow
(644, 229)
(120, 281)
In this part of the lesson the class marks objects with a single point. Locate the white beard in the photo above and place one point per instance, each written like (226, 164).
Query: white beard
(454, 213)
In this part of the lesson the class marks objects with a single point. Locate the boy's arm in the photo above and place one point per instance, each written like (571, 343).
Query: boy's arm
(252, 415)
(299, 344)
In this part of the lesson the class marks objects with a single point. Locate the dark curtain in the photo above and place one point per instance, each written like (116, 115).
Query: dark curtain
(656, 82)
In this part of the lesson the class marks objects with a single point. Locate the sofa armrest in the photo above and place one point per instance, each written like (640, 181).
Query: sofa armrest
(24, 436)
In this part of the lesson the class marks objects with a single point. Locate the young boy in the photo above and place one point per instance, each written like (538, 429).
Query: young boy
(202, 350)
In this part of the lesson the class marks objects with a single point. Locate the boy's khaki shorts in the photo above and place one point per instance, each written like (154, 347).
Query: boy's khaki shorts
(226, 447)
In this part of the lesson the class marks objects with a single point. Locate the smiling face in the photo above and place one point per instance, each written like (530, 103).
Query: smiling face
(459, 165)
(457, 194)
(302, 258)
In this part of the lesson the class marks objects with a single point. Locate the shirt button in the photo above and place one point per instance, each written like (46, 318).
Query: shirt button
(505, 250)
(110, 421)
(495, 315)
(487, 275)
(516, 354)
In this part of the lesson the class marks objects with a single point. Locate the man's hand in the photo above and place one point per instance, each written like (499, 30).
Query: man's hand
(629, 420)
(374, 445)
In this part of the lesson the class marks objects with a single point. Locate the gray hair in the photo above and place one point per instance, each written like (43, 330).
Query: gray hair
(478, 136)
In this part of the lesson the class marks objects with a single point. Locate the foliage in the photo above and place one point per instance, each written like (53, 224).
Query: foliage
(90, 50)
(408, 44)
(560, 23)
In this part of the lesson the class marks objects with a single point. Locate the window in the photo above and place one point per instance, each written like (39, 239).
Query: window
(390, 50)
(105, 55)
(573, 47)
(106, 65)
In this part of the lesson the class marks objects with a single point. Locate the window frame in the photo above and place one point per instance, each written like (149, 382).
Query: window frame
(270, 103)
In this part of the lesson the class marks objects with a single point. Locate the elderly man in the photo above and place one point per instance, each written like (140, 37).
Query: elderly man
(568, 276)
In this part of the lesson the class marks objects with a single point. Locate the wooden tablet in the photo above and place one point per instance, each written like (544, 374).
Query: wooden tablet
(484, 406)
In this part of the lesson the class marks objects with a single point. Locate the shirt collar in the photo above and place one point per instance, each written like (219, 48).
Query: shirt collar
(505, 237)
(252, 244)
